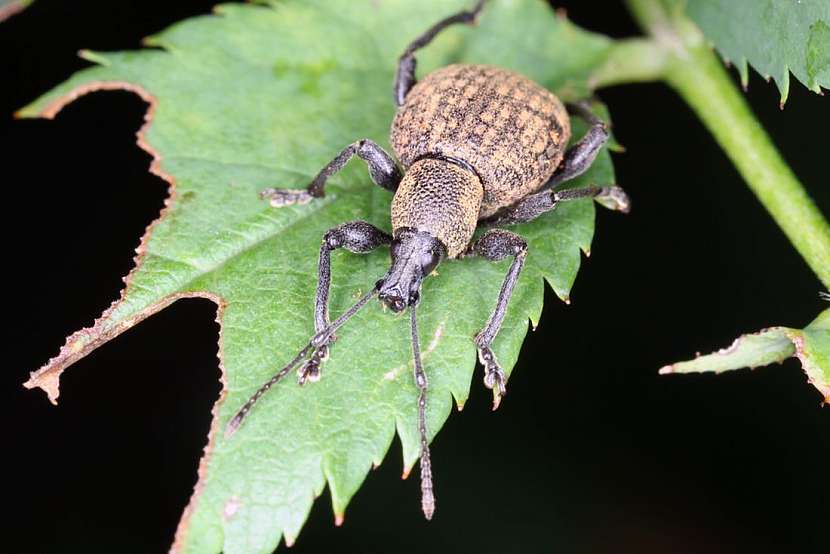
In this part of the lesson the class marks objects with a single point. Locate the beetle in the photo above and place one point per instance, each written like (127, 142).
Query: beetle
(480, 146)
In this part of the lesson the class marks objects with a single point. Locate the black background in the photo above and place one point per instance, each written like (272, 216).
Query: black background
(591, 452)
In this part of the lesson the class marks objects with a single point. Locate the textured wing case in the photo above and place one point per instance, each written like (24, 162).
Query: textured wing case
(512, 131)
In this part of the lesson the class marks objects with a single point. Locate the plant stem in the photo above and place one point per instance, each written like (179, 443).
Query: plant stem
(696, 73)
(631, 60)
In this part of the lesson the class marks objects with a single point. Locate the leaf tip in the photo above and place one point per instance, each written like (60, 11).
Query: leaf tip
(47, 381)
(338, 521)
(666, 370)
(406, 471)
(152, 41)
(783, 84)
(97, 58)
(743, 73)
(28, 112)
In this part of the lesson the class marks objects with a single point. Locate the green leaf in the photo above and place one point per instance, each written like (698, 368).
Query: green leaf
(774, 36)
(256, 96)
(775, 344)
(10, 7)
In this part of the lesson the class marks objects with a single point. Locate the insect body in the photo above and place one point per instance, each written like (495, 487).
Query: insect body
(479, 146)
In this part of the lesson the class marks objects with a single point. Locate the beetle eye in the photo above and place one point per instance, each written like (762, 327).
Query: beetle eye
(395, 248)
(428, 262)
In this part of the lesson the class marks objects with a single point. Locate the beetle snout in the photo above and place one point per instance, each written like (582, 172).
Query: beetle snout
(394, 299)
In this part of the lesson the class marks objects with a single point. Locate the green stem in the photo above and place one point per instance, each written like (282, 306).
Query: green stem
(695, 72)
(631, 60)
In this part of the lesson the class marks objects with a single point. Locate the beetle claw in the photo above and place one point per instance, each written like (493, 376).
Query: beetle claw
(496, 400)
(499, 388)
(494, 377)
(614, 198)
(310, 370)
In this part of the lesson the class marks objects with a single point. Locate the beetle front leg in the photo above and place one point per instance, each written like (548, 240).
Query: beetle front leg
(358, 237)
(496, 245)
(382, 169)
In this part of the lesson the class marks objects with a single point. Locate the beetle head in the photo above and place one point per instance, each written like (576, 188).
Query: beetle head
(414, 255)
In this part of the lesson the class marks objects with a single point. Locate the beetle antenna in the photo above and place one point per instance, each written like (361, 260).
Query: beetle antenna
(319, 338)
(427, 495)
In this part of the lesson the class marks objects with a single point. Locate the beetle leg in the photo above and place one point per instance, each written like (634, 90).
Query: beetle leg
(405, 76)
(382, 169)
(581, 155)
(496, 245)
(613, 198)
(531, 207)
(526, 209)
(356, 236)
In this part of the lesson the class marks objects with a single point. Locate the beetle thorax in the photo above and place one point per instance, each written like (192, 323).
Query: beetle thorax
(440, 198)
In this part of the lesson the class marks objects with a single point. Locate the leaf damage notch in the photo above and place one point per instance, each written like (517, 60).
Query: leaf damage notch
(82, 342)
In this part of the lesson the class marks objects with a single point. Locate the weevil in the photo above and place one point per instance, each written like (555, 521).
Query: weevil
(478, 146)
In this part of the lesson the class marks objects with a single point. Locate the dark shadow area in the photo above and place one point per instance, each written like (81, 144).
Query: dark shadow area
(591, 452)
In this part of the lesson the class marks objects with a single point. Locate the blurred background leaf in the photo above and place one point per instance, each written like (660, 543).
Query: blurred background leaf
(775, 37)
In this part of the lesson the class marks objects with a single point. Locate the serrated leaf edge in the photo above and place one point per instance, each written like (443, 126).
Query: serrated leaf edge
(813, 371)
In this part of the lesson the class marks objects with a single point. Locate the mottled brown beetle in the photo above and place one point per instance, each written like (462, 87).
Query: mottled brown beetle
(480, 146)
